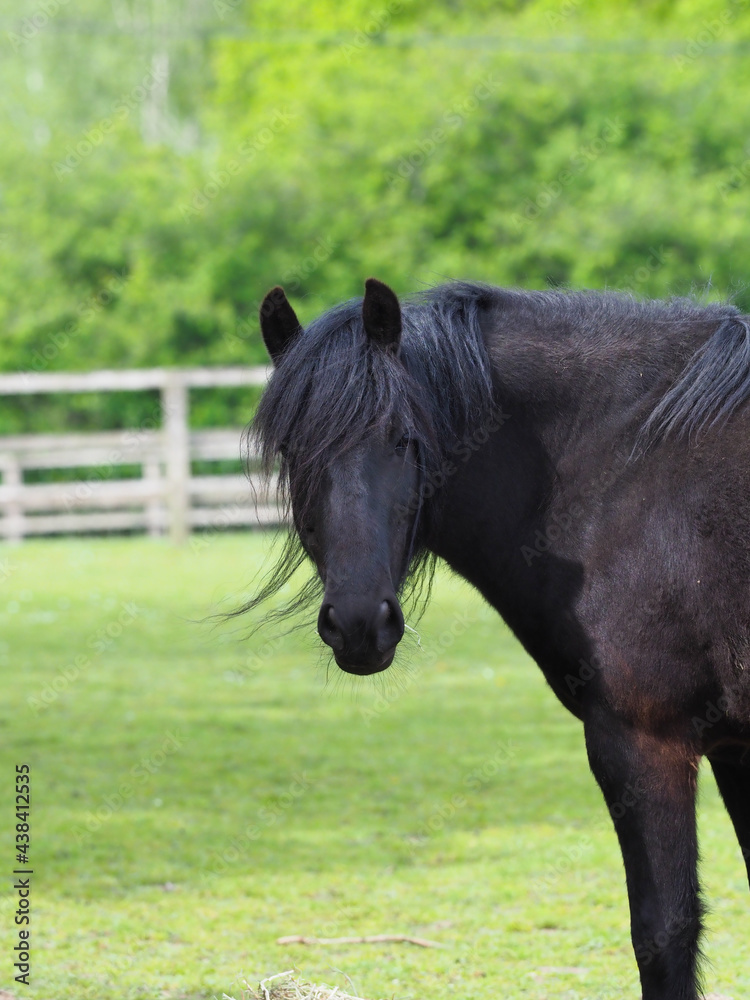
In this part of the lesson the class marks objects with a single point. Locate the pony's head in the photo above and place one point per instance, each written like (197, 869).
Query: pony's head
(342, 416)
(361, 411)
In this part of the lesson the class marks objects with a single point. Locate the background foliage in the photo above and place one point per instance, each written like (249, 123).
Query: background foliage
(163, 164)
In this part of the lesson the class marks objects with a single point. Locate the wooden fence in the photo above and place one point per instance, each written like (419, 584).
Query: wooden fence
(166, 497)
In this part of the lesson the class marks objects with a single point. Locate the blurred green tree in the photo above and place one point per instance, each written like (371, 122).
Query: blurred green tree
(162, 164)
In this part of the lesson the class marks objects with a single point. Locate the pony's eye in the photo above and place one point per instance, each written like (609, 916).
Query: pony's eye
(308, 535)
(403, 443)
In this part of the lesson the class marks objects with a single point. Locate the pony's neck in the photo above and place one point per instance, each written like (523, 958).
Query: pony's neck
(573, 392)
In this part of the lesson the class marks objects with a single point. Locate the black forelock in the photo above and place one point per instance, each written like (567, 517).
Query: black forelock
(333, 386)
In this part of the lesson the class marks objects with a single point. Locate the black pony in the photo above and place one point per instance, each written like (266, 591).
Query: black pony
(581, 459)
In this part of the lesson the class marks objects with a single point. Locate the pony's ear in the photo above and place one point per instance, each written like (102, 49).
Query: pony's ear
(278, 323)
(381, 315)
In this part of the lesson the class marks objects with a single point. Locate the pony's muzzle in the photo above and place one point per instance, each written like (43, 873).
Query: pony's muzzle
(363, 641)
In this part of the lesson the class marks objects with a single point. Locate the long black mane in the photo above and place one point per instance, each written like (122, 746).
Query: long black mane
(333, 386)
(690, 360)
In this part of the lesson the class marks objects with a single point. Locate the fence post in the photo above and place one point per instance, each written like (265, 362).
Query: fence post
(177, 454)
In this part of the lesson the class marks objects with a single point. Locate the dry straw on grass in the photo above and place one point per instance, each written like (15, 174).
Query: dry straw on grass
(284, 986)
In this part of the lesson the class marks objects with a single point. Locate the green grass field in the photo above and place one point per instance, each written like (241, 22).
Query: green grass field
(197, 794)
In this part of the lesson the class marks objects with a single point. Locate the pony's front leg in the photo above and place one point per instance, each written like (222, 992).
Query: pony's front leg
(649, 785)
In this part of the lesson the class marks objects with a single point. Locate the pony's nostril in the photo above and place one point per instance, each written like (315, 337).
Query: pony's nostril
(388, 626)
(329, 627)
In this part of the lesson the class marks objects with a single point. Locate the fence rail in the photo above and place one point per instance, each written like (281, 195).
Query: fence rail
(165, 497)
